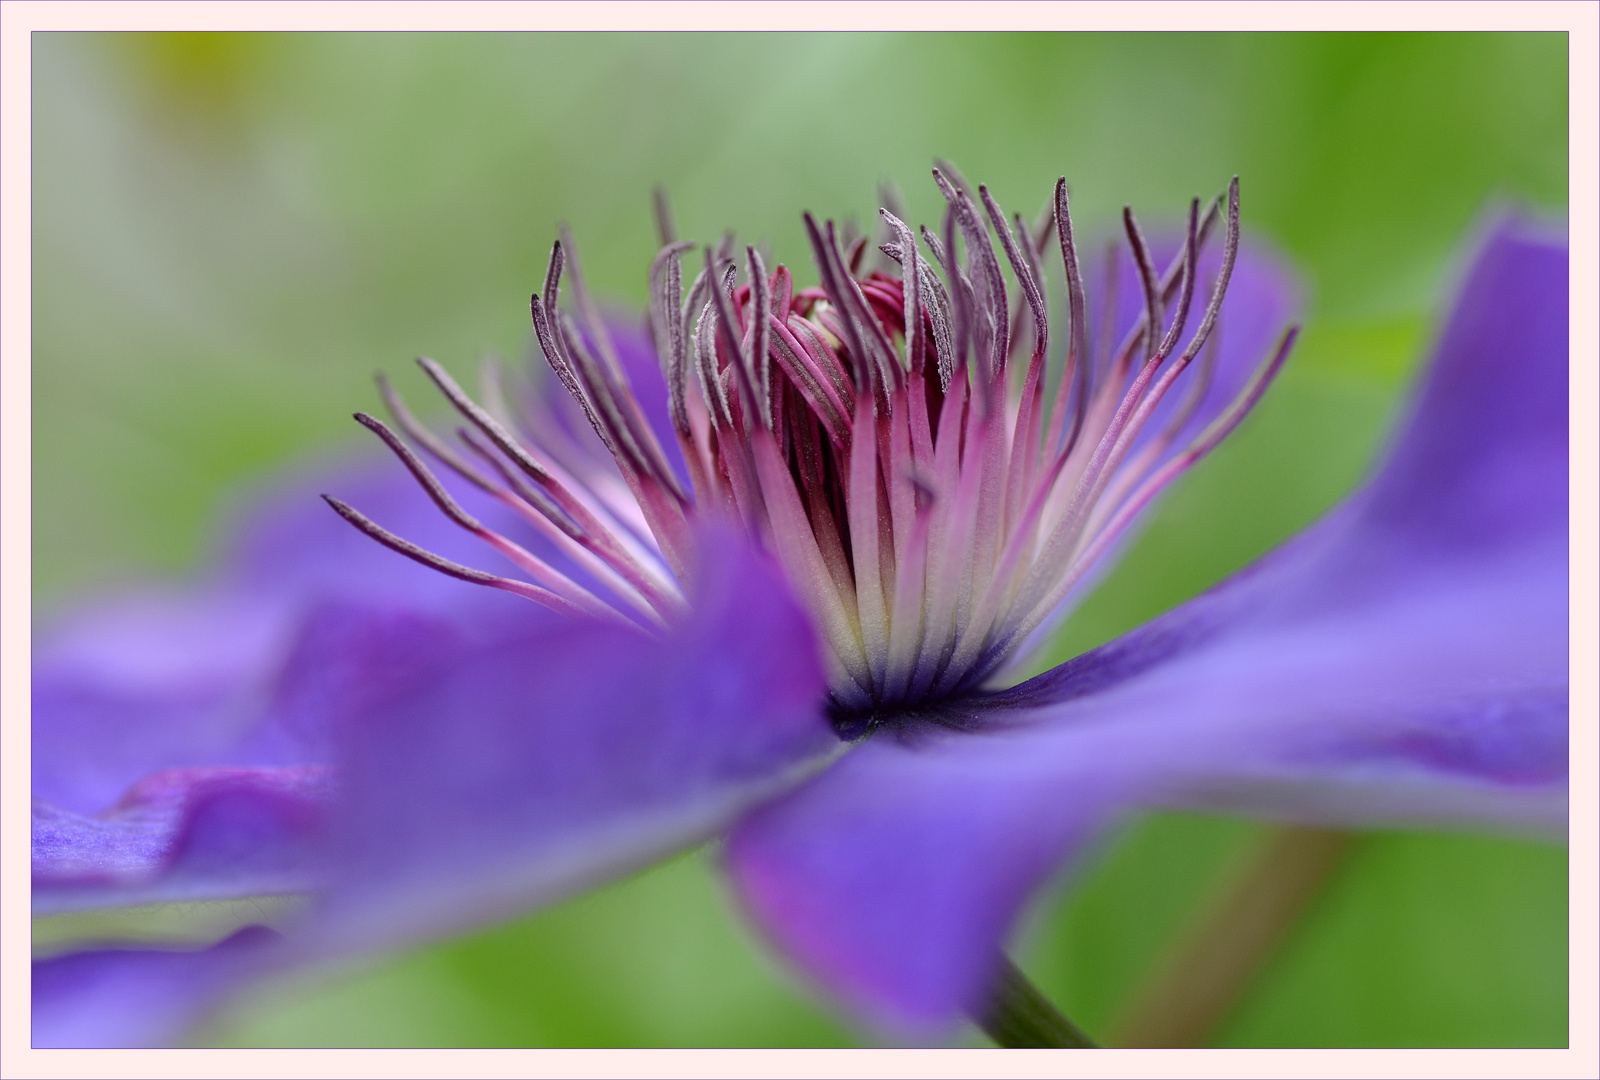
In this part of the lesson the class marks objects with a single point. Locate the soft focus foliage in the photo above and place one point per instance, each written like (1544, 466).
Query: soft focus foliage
(231, 233)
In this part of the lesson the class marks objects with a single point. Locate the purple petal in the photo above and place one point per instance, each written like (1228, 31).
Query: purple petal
(1483, 459)
(1403, 661)
(137, 997)
(143, 684)
(251, 824)
(179, 738)
(893, 878)
(186, 677)
(185, 834)
(513, 767)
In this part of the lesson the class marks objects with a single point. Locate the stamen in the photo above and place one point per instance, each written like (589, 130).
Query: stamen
(1022, 456)
(600, 554)
(1147, 277)
(727, 335)
(429, 482)
(557, 582)
(856, 248)
(548, 512)
(801, 368)
(877, 338)
(421, 435)
(453, 569)
(1078, 364)
(665, 229)
(878, 367)
(931, 527)
(581, 513)
(667, 325)
(1135, 468)
(705, 350)
(492, 390)
(761, 300)
(961, 301)
(1024, 267)
(606, 398)
(911, 286)
(935, 306)
(1207, 441)
(556, 356)
(889, 199)
(1124, 427)
(862, 499)
(993, 316)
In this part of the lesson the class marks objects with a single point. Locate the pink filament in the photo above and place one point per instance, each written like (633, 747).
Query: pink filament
(930, 524)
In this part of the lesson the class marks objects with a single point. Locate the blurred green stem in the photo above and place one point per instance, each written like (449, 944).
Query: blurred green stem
(1190, 994)
(1019, 1015)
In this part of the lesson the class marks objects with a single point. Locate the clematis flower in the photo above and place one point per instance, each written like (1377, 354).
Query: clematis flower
(781, 558)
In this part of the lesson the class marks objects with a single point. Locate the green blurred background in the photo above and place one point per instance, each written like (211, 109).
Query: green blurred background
(232, 232)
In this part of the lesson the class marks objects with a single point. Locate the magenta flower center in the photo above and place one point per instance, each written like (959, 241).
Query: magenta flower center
(931, 499)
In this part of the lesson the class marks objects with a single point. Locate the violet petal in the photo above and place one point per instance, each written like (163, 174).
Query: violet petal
(125, 998)
(181, 678)
(514, 767)
(251, 823)
(184, 834)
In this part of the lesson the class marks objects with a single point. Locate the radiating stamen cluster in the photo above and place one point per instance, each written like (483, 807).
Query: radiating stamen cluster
(902, 469)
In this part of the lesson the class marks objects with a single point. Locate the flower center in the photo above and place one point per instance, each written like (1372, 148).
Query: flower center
(929, 512)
